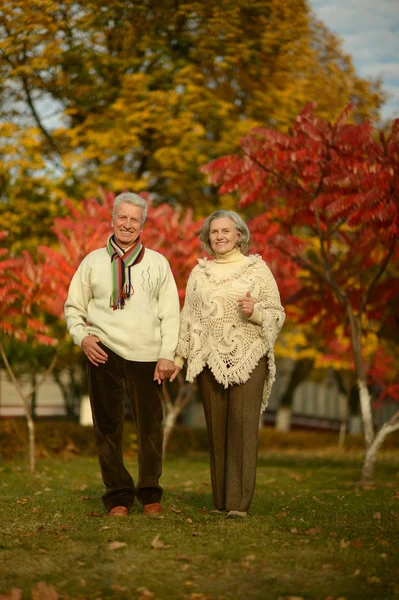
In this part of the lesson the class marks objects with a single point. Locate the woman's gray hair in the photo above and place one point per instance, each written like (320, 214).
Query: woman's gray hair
(134, 200)
(244, 240)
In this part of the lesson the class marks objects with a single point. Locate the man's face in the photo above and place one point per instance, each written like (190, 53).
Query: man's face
(127, 224)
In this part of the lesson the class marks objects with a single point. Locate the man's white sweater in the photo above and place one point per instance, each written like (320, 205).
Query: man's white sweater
(147, 327)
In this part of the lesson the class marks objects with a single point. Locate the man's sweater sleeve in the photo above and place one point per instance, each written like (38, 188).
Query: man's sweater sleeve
(169, 314)
(79, 296)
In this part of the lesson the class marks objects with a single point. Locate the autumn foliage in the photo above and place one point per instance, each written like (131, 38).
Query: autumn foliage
(327, 198)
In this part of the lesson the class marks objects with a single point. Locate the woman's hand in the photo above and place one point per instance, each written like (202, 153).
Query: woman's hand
(247, 305)
(175, 373)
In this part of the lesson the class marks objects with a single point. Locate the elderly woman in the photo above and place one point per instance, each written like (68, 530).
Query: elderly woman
(230, 320)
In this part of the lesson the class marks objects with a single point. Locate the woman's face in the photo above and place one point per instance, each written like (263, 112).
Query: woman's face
(223, 235)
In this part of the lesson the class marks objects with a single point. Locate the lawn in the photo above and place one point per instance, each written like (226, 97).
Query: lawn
(313, 533)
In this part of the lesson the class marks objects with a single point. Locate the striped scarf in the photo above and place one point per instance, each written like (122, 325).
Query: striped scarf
(121, 264)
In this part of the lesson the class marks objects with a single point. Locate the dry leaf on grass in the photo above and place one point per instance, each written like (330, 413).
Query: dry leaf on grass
(118, 588)
(183, 557)
(158, 544)
(43, 591)
(312, 531)
(145, 594)
(116, 545)
(377, 516)
(15, 594)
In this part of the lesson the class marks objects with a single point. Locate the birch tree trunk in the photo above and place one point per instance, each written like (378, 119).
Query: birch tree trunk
(372, 451)
(26, 401)
(364, 395)
(173, 409)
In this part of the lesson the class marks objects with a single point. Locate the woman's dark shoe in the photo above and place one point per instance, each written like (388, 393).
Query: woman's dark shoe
(236, 514)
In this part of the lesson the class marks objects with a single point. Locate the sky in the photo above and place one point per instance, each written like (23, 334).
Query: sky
(369, 30)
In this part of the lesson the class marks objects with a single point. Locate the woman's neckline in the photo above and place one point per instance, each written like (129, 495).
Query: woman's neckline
(233, 256)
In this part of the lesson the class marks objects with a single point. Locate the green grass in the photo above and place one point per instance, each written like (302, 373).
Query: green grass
(313, 533)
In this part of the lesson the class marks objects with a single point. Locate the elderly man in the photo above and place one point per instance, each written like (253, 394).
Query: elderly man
(123, 311)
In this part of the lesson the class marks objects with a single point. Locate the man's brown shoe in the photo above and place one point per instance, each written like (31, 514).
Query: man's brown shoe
(118, 511)
(153, 509)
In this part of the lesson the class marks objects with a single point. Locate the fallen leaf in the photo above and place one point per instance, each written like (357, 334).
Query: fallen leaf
(43, 591)
(94, 514)
(312, 531)
(174, 510)
(85, 498)
(384, 556)
(317, 500)
(189, 520)
(344, 544)
(22, 501)
(294, 530)
(116, 545)
(373, 579)
(377, 516)
(103, 528)
(63, 527)
(198, 596)
(356, 573)
(118, 588)
(296, 477)
(16, 594)
(183, 557)
(158, 544)
(145, 594)
(197, 533)
(294, 598)
(189, 483)
(250, 557)
(35, 510)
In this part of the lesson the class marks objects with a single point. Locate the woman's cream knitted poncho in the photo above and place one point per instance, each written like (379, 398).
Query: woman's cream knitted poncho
(214, 332)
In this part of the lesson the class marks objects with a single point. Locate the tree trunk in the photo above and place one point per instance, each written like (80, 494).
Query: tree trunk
(364, 395)
(300, 372)
(173, 409)
(372, 451)
(26, 402)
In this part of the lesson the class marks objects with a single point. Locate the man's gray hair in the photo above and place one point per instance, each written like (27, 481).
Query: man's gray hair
(244, 240)
(134, 200)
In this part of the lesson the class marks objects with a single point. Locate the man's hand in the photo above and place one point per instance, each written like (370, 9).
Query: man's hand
(93, 351)
(247, 304)
(175, 373)
(164, 369)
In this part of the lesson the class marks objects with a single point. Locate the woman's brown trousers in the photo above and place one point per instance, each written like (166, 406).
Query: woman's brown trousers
(232, 418)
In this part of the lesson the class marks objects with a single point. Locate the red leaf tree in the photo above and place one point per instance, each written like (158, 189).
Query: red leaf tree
(23, 306)
(329, 193)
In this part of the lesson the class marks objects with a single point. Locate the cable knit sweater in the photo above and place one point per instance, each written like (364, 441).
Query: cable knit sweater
(214, 331)
(147, 327)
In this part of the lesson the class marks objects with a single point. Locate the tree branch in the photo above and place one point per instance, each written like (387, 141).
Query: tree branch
(381, 270)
